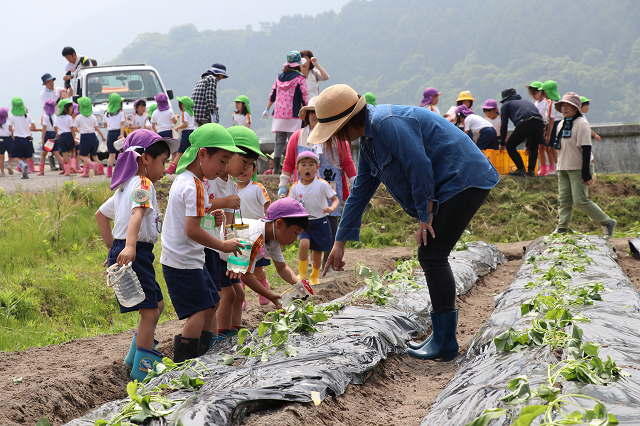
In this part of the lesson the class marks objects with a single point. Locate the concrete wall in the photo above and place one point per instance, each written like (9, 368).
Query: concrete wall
(618, 151)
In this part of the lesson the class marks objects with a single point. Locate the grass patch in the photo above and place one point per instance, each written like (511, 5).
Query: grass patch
(52, 283)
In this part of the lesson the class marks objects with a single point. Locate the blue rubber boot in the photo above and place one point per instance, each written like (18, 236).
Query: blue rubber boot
(143, 362)
(444, 343)
(130, 358)
(419, 345)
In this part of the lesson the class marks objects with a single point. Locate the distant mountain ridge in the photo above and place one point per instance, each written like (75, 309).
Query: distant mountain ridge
(397, 48)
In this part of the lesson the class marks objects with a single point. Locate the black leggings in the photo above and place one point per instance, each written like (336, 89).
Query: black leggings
(453, 217)
(531, 130)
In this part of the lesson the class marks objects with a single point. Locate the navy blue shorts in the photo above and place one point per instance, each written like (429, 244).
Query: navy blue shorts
(184, 140)
(6, 145)
(263, 262)
(52, 137)
(166, 133)
(22, 148)
(554, 134)
(88, 144)
(488, 139)
(143, 267)
(212, 265)
(66, 142)
(319, 235)
(112, 136)
(191, 290)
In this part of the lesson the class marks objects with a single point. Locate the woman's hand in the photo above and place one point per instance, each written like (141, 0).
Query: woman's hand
(335, 258)
(423, 229)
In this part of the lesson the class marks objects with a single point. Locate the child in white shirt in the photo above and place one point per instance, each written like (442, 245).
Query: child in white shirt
(114, 121)
(193, 292)
(87, 125)
(21, 125)
(140, 118)
(187, 125)
(242, 114)
(49, 136)
(313, 192)
(136, 225)
(254, 200)
(5, 141)
(492, 112)
(485, 135)
(163, 118)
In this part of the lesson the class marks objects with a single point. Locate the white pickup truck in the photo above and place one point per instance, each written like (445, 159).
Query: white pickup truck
(132, 82)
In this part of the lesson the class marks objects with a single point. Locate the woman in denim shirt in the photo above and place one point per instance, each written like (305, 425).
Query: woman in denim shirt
(432, 169)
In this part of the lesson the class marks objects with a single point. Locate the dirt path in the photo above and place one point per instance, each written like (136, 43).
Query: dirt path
(13, 184)
(63, 382)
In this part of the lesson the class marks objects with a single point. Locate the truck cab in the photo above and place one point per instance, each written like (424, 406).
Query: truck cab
(131, 82)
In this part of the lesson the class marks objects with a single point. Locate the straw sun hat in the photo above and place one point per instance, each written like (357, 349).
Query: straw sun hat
(335, 106)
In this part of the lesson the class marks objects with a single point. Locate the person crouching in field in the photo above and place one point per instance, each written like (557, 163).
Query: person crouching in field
(136, 226)
(575, 167)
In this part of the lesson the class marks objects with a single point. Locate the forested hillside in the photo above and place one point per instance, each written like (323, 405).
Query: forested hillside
(397, 48)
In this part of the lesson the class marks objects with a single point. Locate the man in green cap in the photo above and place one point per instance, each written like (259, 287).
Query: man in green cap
(193, 293)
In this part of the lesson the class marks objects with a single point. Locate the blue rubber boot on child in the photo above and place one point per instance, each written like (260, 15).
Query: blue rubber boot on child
(129, 359)
(143, 362)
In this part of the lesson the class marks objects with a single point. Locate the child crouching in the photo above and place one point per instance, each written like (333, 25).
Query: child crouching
(136, 227)
(313, 192)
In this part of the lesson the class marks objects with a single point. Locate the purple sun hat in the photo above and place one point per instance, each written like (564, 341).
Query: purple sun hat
(127, 164)
(4, 112)
(464, 110)
(428, 94)
(285, 207)
(75, 107)
(490, 104)
(162, 101)
(49, 106)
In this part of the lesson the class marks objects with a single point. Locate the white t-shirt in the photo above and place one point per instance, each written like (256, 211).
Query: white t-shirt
(139, 120)
(162, 119)
(119, 207)
(555, 114)
(313, 88)
(4, 130)
(261, 248)
(185, 117)
(21, 125)
(432, 108)
(475, 123)
(241, 120)
(186, 198)
(543, 109)
(54, 95)
(64, 123)
(313, 196)
(114, 121)
(496, 123)
(220, 189)
(46, 121)
(85, 124)
(253, 197)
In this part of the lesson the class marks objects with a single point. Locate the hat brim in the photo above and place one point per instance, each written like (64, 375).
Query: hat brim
(304, 110)
(324, 131)
(295, 64)
(257, 151)
(174, 144)
(190, 154)
(49, 79)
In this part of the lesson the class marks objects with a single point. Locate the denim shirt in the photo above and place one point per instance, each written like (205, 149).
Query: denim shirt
(420, 157)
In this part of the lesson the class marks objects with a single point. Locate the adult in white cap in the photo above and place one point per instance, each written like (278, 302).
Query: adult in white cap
(434, 171)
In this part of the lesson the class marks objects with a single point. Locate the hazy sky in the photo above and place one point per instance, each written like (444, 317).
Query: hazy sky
(35, 31)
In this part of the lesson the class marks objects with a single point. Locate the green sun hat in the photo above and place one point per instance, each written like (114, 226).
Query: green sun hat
(246, 139)
(151, 109)
(115, 103)
(584, 99)
(210, 135)
(187, 102)
(85, 107)
(62, 103)
(245, 100)
(371, 98)
(551, 87)
(535, 84)
(18, 106)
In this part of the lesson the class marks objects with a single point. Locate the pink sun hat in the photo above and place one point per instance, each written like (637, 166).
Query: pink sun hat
(285, 207)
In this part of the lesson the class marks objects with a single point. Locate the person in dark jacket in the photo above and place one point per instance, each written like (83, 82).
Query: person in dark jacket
(529, 126)
(205, 95)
